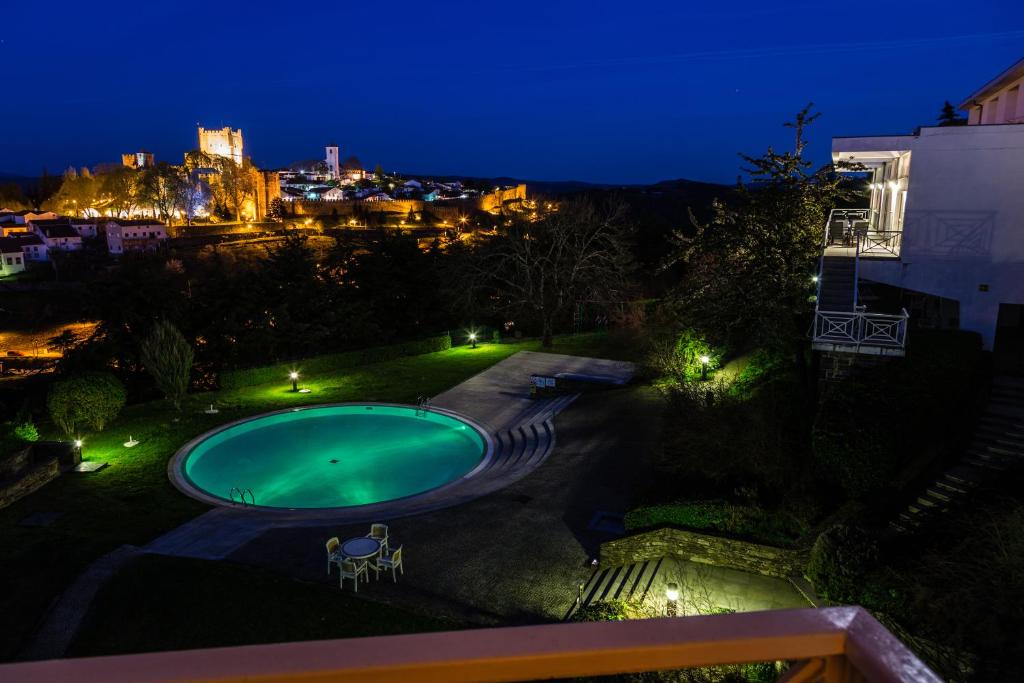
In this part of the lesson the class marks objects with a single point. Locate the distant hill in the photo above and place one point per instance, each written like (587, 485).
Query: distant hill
(573, 186)
(23, 181)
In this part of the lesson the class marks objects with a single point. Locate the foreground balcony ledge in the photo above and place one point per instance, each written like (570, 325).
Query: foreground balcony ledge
(840, 644)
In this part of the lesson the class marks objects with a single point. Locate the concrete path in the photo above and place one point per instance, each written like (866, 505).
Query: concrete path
(504, 532)
(65, 617)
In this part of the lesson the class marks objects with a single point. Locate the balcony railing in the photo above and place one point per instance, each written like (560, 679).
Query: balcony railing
(860, 332)
(852, 232)
(830, 645)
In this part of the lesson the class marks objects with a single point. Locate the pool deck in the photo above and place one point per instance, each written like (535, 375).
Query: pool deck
(512, 554)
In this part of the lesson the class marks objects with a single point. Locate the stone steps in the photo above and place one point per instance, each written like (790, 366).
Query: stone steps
(998, 445)
(627, 583)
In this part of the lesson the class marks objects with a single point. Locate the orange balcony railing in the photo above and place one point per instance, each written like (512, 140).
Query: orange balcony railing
(830, 645)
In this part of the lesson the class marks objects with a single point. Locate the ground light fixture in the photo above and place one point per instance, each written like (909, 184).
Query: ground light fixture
(704, 360)
(672, 600)
(472, 340)
(78, 443)
(814, 279)
(294, 377)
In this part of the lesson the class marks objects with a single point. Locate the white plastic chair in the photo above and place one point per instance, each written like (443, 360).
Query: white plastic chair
(352, 569)
(392, 561)
(379, 532)
(334, 555)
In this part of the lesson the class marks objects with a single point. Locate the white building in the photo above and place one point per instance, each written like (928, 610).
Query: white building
(11, 259)
(134, 235)
(333, 162)
(945, 225)
(57, 234)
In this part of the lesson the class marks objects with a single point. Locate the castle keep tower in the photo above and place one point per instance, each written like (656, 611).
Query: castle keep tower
(333, 162)
(222, 143)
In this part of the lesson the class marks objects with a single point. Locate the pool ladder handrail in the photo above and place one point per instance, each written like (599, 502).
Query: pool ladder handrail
(422, 406)
(241, 496)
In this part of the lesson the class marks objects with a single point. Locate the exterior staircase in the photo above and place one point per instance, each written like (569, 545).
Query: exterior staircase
(998, 445)
(837, 286)
(627, 583)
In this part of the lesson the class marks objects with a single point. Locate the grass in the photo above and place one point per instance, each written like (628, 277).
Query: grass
(170, 603)
(132, 501)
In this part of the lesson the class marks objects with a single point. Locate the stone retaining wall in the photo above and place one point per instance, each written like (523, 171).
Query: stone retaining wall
(23, 472)
(706, 549)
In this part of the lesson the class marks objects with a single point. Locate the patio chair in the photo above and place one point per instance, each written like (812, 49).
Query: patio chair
(352, 569)
(380, 533)
(392, 561)
(333, 553)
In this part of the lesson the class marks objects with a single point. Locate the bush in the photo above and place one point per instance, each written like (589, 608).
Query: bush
(747, 521)
(607, 610)
(679, 356)
(869, 428)
(840, 559)
(85, 401)
(26, 431)
(332, 363)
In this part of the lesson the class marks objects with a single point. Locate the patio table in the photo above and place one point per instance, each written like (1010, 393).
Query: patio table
(361, 548)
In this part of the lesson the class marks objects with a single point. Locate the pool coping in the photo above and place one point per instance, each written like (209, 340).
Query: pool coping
(180, 481)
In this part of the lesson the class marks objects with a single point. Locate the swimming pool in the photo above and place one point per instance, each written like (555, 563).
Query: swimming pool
(331, 456)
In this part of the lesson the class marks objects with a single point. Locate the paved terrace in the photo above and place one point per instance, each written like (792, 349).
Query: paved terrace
(516, 555)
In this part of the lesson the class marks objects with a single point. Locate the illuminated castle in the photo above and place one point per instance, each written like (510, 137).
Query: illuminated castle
(222, 143)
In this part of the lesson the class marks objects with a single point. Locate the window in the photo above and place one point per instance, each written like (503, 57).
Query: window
(17, 260)
(10, 261)
(1012, 97)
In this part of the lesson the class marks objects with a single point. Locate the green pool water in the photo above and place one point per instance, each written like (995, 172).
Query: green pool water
(335, 456)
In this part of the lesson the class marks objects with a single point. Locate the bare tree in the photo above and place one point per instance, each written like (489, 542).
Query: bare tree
(544, 267)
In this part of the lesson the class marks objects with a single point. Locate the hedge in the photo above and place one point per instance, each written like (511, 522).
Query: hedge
(332, 362)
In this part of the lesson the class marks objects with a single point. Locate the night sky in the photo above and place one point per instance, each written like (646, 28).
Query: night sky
(618, 92)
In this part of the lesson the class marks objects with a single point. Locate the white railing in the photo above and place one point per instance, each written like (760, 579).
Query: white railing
(861, 231)
(845, 328)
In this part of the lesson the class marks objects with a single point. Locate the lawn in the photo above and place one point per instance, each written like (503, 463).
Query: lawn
(132, 501)
(171, 603)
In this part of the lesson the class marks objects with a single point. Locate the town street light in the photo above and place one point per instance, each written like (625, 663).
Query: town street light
(294, 377)
(704, 367)
(671, 600)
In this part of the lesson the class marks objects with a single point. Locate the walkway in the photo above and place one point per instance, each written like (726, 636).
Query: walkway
(514, 554)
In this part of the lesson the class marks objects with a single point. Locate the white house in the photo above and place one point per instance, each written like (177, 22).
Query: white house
(11, 259)
(25, 216)
(945, 222)
(134, 235)
(32, 247)
(86, 227)
(57, 234)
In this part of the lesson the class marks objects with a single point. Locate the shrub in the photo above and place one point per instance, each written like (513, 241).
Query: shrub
(869, 428)
(331, 363)
(168, 359)
(606, 610)
(26, 431)
(840, 559)
(747, 521)
(679, 356)
(89, 400)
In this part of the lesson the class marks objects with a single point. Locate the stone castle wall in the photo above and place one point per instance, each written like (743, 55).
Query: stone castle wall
(705, 549)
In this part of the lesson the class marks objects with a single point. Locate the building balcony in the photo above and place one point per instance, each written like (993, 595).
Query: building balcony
(874, 334)
(857, 232)
(830, 645)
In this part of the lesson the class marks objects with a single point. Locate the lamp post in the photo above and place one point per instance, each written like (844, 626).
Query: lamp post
(704, 367)
(472, 340)
(672, 600)
(294, 377)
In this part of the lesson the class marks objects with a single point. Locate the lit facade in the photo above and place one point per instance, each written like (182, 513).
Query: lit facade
(223, 142)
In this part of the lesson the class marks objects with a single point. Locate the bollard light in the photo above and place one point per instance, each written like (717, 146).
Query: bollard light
(672, 599)
(294, 377)
(472, 340)
(704, 360)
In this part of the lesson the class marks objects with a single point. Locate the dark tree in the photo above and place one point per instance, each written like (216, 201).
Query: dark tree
(949, 117)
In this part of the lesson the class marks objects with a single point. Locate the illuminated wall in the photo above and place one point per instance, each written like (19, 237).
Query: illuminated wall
(222, 143)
